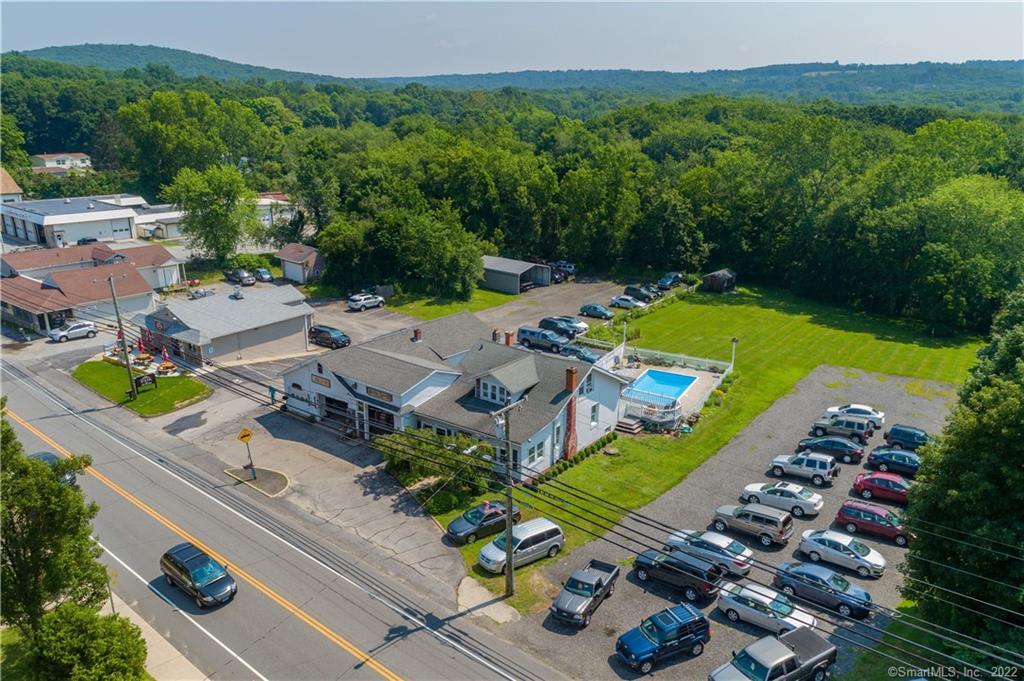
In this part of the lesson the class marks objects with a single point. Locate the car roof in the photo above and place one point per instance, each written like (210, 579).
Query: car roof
(674, 616)
(912, 429)
(184, 551)
(533, 526)
(866, 506)
(756, 592)
(787, 485)
(814, 455)
(892, 450)
(885, 475)
(45, 457)
(808, 569)
(765, 510)
(716, 538)
(834, 536)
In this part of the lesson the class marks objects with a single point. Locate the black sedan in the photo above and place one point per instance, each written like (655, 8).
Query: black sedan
(480, 521)
(895, 460)
(329, 337)
(841, 448)
(198, 575)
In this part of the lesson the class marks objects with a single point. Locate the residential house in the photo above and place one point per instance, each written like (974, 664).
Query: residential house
(9, 189)
(59, 164)
(274, 206)
(62, 222)
(451, 375)
(300, 263)
(155, 263)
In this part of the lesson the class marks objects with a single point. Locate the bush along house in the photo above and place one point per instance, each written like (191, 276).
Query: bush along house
(451, 375)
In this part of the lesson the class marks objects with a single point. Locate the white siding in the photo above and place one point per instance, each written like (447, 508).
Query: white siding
(293, 271)
(104, 230)
(160, 276)
(128, 305)
(605, 395)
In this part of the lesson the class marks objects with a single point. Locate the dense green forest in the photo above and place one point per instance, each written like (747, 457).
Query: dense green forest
(972, 86)
(909, 211)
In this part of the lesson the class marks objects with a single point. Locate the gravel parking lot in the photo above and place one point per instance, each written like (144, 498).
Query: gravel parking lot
(589, 654)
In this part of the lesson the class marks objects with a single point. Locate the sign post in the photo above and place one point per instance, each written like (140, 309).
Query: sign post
(245, 435)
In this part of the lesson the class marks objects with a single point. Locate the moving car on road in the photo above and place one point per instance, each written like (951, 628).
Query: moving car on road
(198, 575)
(694, 576)
(733, 557)
(769, 525)
(842, 448)
(627, 302)
(72, 329)
(762, 607)
(828, 588)
(662, 636)
(328, 336)
(482, 520)
(842, 550)
(888, 486)
(531, 541)
(900, 461)
(819, 468)
(584, 593)
(596, 311)
(361, 301)
(797, 655)
(860, 516)
(784, 495)
(876, 417)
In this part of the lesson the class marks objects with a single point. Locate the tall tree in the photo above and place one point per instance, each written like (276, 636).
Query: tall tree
(316, 183)
(12, 151)
(47, 553)
(219, 210)
(79, 644)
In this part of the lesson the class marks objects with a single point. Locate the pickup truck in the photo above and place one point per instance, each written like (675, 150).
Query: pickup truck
(584, 592)
(819, 468)
(797, 655)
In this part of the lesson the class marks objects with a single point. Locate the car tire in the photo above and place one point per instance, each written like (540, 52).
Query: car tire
(553, 551)
(62, 339)
(814, 556)
(789, 591)
(470, 538)
(646, 666)
(866, 493)
(851, 528)
(819, 674)
(525, 342)
(611, 590)
(777, 471)
(642, 575)
(847, 458)
(818, 481)
(753, 499)
(91, 334)
(863, 572)
(884, 467)
(844, 610)
(896, 445)
(690, 594)
(720, 526)
(732, 615)
(797, 512)
(697, 649)
(900, 540)
(170, 582)
(765, 540)
(362, 308)
(586, 621)
(199, 602)
(819, 432)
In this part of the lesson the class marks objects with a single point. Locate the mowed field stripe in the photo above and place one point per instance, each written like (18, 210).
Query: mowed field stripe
(329, 634)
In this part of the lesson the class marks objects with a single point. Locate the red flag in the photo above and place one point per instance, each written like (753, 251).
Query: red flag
(119, 335)
(140, 344)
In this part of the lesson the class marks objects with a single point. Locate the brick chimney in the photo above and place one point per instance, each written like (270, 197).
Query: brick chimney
(496, 336)
(508, 338)
(571, 378)
(417, 335)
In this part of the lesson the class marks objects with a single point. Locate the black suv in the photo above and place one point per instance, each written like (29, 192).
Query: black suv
(695, 577)
(844, 449)
(329, 337)
(905, 437)
(640, 293)
(558, 326)
(198, 575)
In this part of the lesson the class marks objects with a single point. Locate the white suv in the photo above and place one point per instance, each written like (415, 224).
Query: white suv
(73, 330)
(361, 301)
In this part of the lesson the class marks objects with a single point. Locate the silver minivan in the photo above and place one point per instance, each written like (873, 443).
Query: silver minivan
(531, 541)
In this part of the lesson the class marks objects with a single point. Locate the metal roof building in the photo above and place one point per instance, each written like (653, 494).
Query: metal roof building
(510, 276)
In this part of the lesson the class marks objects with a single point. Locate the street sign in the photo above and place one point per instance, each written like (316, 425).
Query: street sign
(145, 379)
(245, 435)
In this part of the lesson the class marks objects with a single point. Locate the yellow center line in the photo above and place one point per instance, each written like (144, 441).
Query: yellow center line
(333, 637)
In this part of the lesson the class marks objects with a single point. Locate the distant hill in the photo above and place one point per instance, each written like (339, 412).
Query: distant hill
(974, 85)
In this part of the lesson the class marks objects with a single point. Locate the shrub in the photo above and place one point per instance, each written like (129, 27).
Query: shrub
(250, 261)
(717, 396)
(441, 502)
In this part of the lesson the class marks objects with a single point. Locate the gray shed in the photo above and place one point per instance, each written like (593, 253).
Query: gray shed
(720, 281)
(510, 276)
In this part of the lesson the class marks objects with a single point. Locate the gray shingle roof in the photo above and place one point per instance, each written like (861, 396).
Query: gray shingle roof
(492, 262)
(384, 370)
(516, 375)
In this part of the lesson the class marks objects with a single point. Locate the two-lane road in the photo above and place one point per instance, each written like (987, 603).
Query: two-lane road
(304, 609)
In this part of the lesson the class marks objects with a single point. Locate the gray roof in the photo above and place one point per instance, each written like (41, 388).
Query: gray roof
(441, 338)
(384, 370)
(492, 262)
(64, 206)
(206, 319)
(516, 375)
(768, 651)
(458, 406)
(146, 208)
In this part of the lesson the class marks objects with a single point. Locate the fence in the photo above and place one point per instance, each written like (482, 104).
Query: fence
(617, 354)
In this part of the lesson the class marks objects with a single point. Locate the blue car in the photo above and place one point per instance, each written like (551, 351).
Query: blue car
(895, 460)
(597, 311)
(671, 632)
(825, 587)
(580, 352)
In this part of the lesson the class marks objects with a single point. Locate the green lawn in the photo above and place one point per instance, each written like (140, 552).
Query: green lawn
(209, 271)
(870, 665)
(170, 393)
(429, 307)
(15, 656)
(782, 338)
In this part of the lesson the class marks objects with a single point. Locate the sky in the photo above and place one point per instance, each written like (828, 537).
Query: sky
(372, 39)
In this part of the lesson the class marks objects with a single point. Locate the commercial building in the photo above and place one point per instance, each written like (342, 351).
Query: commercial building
(253, 325)
(513, 276)
(161, 221)
(300, 263)
(62, 222)
(451, 375)
(59, 164)
(10, 191)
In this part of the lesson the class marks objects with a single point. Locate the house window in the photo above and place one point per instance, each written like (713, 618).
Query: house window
(494, 392)
(296, 386)
(319, 368)
(534, 454)
(589, 383)
(594, 412)
(502, 394)
(556, 444)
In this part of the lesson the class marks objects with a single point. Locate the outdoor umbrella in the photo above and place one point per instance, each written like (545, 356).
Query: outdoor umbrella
(164, 356)
(140, 344)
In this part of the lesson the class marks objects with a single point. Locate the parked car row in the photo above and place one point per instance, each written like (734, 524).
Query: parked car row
(554, 334)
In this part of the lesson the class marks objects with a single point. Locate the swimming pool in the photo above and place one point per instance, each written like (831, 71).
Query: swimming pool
(659, 388)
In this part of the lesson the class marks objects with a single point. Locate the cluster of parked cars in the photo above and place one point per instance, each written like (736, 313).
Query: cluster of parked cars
(244, 277)
(642, 295)
(556, 334)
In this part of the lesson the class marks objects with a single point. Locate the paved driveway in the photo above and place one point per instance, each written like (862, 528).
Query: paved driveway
(361, 326)
(590, 653)
(561, 299)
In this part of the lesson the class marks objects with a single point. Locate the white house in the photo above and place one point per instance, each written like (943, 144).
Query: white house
(155, 264)
(274, 206)
(450, 375)
(63, 222)
(60, 163)
(9, 189)
(300, 263)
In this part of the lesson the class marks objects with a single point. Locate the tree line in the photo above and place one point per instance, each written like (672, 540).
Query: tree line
(908, 211)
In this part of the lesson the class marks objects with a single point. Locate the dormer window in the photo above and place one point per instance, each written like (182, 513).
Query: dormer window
(492, 392)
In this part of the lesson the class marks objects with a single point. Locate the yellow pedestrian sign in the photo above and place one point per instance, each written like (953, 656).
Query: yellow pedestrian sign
(245, 435)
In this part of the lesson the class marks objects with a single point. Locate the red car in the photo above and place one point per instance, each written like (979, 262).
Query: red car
(880, 485)
(860, 516)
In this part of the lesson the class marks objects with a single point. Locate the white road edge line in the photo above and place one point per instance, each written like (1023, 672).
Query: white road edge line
(399, 611)
(178, 610)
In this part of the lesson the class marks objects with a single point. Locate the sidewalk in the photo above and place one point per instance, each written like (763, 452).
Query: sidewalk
(163, 661)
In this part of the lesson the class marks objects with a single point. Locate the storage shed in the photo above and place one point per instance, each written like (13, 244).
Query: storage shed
(301, 263)
(512, 276)
(720, 281)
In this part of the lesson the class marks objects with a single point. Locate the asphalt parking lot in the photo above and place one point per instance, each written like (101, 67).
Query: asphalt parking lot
(559, 299)
(589, 654)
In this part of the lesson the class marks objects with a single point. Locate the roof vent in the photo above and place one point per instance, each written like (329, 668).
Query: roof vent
(237, 295)
(417, 335)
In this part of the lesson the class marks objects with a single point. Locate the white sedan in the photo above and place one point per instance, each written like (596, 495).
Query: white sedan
(843, 550)
(627, 302)
(876, 417)
(762, 607)
(784, 495)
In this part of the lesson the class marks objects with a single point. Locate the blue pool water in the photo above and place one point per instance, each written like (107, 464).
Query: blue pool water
(659, 388)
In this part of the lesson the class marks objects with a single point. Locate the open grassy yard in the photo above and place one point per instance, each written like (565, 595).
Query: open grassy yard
(782, 338)
(870, 665)
(428, 307)
(170, 393)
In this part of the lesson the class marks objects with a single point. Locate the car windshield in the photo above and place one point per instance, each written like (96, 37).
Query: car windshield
(263, 271)
(499, 541)
(735, 548)
(859, 548)
(474, 515)
(206, 572)
(751, 668)
(892, 519)
(781, 606)
(575, 586)
(648, 629)
(838, 582)
(334, 333)
(803, 494)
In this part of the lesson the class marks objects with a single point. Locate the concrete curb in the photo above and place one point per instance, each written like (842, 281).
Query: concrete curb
(248, 481)
(163, 661)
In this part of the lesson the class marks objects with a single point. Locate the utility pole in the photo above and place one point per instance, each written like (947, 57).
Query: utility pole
(123, 340)
(501, 417)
